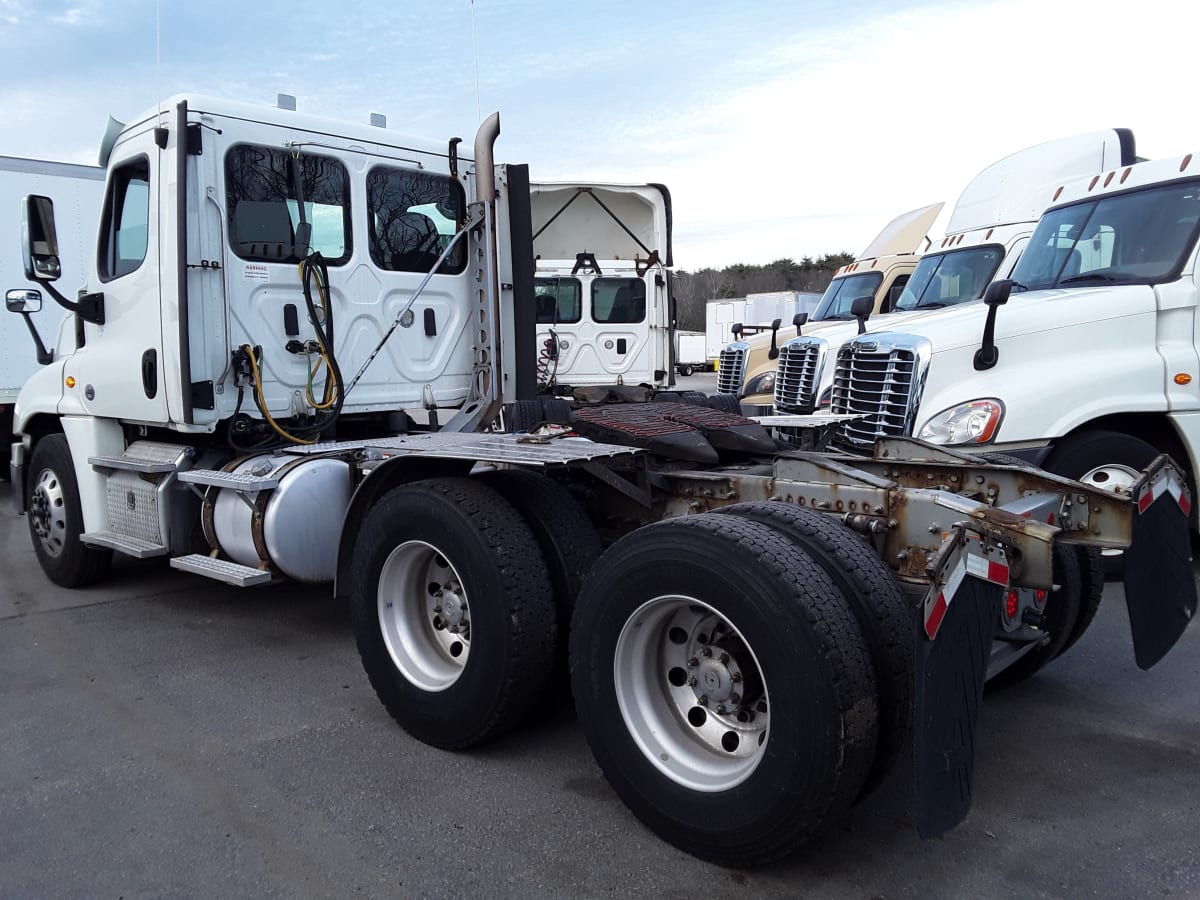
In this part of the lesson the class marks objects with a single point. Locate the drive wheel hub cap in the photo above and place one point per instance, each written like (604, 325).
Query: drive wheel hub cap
(424, 615)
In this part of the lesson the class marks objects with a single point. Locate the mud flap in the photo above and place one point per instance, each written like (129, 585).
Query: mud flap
(1160, 586)
(951, 667)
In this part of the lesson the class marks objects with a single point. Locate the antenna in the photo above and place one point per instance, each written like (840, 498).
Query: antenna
(158, 55)
(475, 51)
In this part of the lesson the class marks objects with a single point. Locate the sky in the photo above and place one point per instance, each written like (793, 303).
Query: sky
(782, 130)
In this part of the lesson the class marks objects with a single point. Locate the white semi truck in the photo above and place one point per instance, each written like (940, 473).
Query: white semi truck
(76, 192)
(1086, 361)
(279, 299)
(602, 288)
(989, 228)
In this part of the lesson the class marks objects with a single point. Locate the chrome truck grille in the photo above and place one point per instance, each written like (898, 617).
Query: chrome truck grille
(799, 375)
(731, 368)
(879, 377)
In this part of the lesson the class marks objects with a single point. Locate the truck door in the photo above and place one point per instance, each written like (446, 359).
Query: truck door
(119, 370)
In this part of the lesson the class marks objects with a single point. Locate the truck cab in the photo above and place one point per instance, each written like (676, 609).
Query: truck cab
(747, 367)
(602, 288)
(989, 228)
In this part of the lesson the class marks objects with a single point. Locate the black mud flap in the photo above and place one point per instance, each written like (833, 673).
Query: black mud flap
(950, 672)
(1160, 586)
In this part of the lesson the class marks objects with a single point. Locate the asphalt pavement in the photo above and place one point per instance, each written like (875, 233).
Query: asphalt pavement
(163, 735)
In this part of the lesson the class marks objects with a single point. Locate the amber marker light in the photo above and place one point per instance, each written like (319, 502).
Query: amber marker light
(70, 381)
(1183, 378)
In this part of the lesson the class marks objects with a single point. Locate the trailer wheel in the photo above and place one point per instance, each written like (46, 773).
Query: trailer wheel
(452, 611)
(887, 621)
(1105, 459)
(56, 517)
(723, 686)
(1058, 621)
(566, 536)
(685, 371)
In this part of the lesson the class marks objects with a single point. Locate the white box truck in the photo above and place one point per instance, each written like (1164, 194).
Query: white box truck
(689, 353)
(275, 293)
(76, 191)
(719, 319)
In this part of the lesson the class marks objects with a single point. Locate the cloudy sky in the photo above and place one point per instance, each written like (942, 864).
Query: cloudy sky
(783, 129)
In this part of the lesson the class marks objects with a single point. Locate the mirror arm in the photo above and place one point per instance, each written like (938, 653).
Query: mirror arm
(774, 354)
(44, 356)
(988, 355)
(89, 307)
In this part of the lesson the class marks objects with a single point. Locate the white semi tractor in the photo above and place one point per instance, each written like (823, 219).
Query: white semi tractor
(76, 192)
(1086, 361)
(288, 367)
(988, 230)
(602, 289)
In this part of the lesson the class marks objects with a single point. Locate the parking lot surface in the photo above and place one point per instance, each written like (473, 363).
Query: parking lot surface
(162, 735)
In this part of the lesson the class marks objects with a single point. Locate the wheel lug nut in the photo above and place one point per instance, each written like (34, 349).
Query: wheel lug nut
(721, 709)
(692, 681)
(704, 699)
(736, 677)
(707, 651)
(735, 699)
(438, 608)
(693, 662)
(724, 658)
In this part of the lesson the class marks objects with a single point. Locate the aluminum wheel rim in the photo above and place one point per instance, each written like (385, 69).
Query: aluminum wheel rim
(48, 512)
(691, 692)
(424, 616)
(1112, 477)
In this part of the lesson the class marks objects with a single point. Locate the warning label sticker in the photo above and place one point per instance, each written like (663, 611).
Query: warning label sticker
(256, 272)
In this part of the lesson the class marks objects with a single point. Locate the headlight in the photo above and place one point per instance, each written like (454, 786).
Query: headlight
(968, 423)
(763, 383)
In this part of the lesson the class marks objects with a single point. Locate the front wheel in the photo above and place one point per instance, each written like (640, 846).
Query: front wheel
(452, 611)
(56, 517)
(1108, 460)
(724, 687)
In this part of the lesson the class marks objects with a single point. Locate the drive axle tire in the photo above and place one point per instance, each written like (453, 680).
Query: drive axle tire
(725, 402)
(887, 621)
(724, 687)
(566, 536)
(452, 611)
(56, 517)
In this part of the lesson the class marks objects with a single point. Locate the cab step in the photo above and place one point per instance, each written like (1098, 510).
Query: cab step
(243, 482)
(130, 546)
(146, 457)
(221, 570)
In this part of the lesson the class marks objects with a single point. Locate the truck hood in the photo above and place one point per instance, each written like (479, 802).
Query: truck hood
(1025, 313)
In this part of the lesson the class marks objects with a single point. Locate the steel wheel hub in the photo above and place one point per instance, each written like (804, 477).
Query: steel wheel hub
(424, 616)
(48, 512)
(691, 693)
(1112, 477)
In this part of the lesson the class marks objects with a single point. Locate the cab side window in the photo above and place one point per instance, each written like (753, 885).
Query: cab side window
(412, 217)
(124, 228)
(264, 187)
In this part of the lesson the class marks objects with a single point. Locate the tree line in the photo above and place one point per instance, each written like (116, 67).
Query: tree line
(693, 290)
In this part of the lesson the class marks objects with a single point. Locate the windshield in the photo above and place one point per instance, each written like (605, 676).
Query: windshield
(835, 302)
(944, 279)
(1140, 237)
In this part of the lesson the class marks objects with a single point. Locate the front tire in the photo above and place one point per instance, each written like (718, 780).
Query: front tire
(452, 611)
(56, 517)
(723, 686)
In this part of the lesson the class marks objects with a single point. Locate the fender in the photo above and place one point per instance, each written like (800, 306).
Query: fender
(388, 474)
